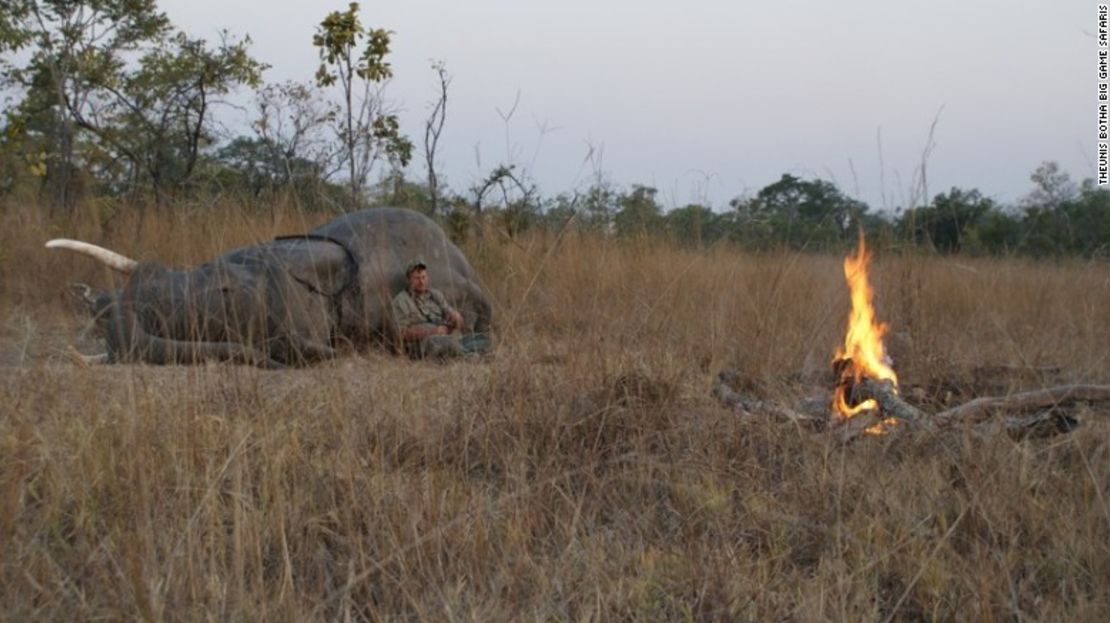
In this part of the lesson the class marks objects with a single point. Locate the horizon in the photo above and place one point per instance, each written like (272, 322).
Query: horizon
(846, 94)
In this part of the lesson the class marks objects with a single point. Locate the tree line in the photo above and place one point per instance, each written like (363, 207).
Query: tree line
(108, 99)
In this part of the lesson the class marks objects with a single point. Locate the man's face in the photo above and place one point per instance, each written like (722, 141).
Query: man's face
(418, 280)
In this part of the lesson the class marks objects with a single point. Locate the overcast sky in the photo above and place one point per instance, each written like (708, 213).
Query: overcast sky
(710, 99)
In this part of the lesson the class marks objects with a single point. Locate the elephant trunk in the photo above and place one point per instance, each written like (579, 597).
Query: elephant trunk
(129, 341)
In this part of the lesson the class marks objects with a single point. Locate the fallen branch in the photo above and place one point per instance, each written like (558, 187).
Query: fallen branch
(1042, 424)
(751, 406)
(1038, 399)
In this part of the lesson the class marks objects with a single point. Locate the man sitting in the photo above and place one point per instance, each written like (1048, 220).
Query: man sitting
(428, 325)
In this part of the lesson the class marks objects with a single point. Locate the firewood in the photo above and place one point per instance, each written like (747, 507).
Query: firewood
(890, 403)
(1038, 399)
(1042, 424)
(848, 429)
(749, 405)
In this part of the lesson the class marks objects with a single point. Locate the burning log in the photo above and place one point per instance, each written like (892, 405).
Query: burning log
(1036, 425)
(890, 404)
(866, 383)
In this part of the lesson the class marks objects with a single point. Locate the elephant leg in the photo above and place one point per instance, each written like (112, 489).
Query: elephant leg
(312, 350)
(129, 341)
(483, 311)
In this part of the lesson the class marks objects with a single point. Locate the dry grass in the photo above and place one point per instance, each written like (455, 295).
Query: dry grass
(581, 473)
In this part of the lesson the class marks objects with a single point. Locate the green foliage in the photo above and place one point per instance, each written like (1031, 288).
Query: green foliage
(385, 131)
(639, 213)
(339, 37)
(997, 232)
(395, 190)
(1052, 188)
(1059, 218)
(599, 204)
(695, 225)
(159, 116)
(77, 58)
(558, 211)
(510, 197)
(352, 58)
(1089, 214)
(949, 222)
(458, 222)
(108, 88)
(263, 168)
(798, 213)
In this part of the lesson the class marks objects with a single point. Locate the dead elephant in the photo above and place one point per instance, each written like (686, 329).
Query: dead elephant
(290, 301)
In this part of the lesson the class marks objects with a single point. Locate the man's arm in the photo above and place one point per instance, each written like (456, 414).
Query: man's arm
(418, 332)
(410, 323)
(451, 316)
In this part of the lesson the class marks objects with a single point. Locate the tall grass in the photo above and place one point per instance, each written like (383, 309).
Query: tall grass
(581, 473)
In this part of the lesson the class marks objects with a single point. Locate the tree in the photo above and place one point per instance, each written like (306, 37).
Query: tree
(998, 232)
(949, 222)
(560, 209)
(1090, 214)
(262, 168)
(291, 150)
(517, 198)
(598, 205)
(395, 190)
(1052, 188)
(158, 117)
(77, 47)
(799, 213)
(693, 225)
(353, 57)
(115, 72)
(433, 128)
(1047, 223)
(639, 213)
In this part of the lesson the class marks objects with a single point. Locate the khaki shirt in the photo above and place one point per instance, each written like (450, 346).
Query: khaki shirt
(428, 308)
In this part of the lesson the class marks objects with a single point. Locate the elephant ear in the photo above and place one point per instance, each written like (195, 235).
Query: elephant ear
(320, 265)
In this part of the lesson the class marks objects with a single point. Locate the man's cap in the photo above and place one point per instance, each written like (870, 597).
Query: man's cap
(414, 265)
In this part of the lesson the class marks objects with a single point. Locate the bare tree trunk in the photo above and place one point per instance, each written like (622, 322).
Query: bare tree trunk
(433, 127)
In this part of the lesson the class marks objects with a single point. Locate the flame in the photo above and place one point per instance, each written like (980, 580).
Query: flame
(881, 427)
(862, 353)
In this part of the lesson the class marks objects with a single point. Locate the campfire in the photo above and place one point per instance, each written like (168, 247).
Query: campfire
(866, 400)
(862, 356)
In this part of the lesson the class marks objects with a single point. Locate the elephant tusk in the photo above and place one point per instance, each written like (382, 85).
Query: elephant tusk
(111, 259)
(86, 360)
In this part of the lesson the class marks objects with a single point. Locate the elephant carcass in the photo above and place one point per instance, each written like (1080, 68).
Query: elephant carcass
(383, 242)
(285, 302)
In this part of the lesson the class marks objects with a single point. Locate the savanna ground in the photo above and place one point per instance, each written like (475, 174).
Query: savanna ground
(582, 472)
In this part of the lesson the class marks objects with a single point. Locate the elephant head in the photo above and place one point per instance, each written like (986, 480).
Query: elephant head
(270, 305)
